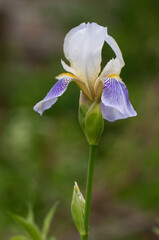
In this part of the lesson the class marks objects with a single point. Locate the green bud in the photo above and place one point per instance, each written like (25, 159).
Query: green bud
(94, 123)
(90, 119)
(77, 210)
(84, 105)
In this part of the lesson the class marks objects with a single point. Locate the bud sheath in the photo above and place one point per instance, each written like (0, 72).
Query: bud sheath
(90, 119)
(77, 210)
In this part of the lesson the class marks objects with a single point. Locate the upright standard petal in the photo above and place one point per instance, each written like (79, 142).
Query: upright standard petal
(82, 48)
(113, 44)
(58, 89)
(115, 103)
(112, 67)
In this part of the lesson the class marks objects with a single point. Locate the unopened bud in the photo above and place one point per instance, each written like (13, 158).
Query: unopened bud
(91, 119)
(94, 123)
(77, 210)
(84, 104)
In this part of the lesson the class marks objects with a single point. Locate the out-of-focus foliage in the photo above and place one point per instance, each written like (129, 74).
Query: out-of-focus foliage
(32, 230)
(41, 157)
(156, 230)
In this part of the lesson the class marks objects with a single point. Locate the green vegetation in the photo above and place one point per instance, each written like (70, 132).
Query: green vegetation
(42, 157)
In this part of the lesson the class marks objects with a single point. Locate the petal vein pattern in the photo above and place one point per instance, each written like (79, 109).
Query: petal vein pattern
(115, 103)
(57, 90)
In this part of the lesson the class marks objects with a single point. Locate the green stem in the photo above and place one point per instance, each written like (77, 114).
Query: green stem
(89, 189)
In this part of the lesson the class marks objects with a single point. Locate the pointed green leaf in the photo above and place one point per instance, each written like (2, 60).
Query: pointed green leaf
(30, 228)
(30, 216)
(47, 220)
(18, 238)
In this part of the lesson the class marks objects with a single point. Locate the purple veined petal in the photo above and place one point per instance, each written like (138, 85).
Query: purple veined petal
(56, 91)
(115, 103)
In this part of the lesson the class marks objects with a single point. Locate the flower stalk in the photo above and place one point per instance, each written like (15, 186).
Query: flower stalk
(89, 190)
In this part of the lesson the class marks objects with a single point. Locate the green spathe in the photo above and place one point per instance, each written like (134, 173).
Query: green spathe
(94, 124)
(84, 105)
(77, 210)
(91, 119)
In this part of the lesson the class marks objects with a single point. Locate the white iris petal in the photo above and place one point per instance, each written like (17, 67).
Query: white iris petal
(112, 67)
(68, 68)
(113, 44)
(82, 48)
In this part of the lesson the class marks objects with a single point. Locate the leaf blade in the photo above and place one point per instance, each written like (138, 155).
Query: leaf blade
(47, 220)
(30, 228)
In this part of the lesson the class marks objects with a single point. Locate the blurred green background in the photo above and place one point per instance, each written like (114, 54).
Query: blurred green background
(41, 157)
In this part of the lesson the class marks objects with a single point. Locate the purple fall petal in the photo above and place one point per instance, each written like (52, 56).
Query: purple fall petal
(56, 91)
(115, 103)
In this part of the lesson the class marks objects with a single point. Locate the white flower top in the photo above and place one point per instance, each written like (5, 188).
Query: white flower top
(83, 49)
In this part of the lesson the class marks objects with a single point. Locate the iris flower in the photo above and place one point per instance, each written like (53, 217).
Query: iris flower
(82, 48)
